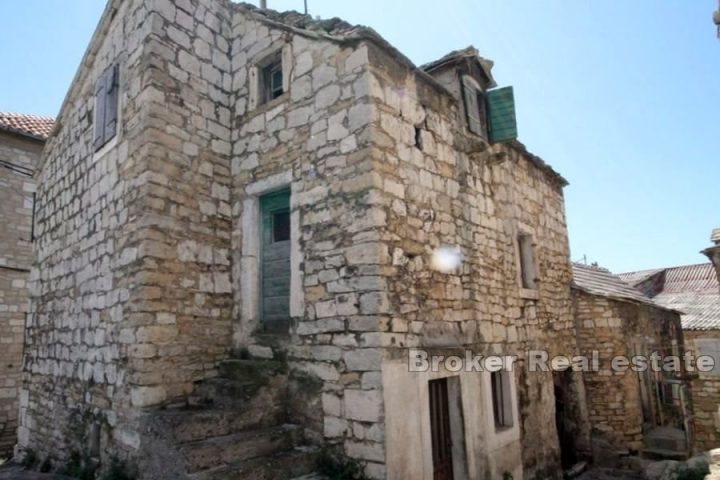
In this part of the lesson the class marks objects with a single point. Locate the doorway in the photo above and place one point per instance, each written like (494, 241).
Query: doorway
(566, 418)
(441, 435)
(275, 262)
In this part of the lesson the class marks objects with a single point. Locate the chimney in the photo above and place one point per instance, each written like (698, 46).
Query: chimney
(263, 4)
(715, 237)
(713, 253)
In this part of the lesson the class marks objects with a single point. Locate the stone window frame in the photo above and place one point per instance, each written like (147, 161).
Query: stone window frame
(113, 142)
(523, 230)
(249, 273)
(498, 437)
(255, 75)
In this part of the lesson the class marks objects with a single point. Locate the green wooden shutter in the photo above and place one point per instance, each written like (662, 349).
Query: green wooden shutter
(502, 125)
(100, 99)
(472, 109)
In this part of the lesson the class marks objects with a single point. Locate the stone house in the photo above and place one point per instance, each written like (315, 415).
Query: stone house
(21, 140)
(236, 224)
(693, 290)
(648, 410)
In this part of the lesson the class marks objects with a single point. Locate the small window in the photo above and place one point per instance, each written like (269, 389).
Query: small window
(527, 261)
(107, 96)
(281, 226)
(272, 79)
(502, 399)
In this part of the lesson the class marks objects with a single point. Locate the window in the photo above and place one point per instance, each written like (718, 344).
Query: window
(501, 399)
(526, 258)
(281, 226)
(474, 106)
(106, 106)
(272, 79)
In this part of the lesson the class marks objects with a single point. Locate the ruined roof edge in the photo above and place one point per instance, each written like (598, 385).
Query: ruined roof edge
(368, 34)
(360, 33)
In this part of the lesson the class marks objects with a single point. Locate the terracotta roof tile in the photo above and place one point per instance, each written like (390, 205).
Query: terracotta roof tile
(30, 125)
(692, 289)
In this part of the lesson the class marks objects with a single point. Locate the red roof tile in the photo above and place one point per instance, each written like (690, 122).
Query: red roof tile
(30, 125)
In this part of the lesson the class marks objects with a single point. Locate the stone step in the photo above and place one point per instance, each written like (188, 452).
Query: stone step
(238, 394)
(663, 454)
(238, 447)
(251, 370)
(299, 462)
(191, 425)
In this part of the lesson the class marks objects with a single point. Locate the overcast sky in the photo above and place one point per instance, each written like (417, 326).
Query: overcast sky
(622, 98)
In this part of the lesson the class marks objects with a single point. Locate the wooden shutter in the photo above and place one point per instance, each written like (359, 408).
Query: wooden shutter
(100, 99)
(502, 124)
(111, 106)
(472, 109)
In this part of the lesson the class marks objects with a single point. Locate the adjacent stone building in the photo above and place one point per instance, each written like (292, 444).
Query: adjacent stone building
(21, 140)
(244, 220)
(694, 291)
(631, 409)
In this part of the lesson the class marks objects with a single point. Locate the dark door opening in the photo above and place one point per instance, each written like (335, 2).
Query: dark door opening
(440, 430)
(567, 429)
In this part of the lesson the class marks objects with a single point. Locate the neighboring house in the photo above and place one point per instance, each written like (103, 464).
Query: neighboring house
(236, 220)
(635, 409)
(693, 290)
(21, 140)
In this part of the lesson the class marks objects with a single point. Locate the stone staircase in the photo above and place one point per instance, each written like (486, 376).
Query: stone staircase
(232, 427)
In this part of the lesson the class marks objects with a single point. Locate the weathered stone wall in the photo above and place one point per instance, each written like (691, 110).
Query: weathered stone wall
(314, 140)
(131, 289)
(705, 390)
(615, 399)
(19, 156)
(438, 186)
(81, 283)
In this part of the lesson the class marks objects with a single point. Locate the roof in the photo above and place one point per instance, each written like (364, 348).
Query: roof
(470, 53)
(32, 126)
(692, 289)
(600, 281)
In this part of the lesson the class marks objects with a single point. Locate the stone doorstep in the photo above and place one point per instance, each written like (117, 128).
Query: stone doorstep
(238, 447)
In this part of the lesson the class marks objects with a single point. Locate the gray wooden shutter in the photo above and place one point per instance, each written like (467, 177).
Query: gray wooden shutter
(100, 99)
(501, 115)
(472, 109)
(111, 106)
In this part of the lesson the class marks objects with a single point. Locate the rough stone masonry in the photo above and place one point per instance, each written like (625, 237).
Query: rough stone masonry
(149, 247)
(21, 141)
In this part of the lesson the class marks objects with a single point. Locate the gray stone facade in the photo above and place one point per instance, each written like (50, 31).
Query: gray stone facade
(146, 273)
(19, 154)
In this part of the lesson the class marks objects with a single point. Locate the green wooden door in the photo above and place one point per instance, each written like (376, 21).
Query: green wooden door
(275, 270)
